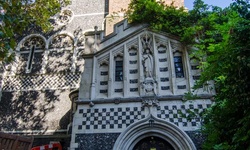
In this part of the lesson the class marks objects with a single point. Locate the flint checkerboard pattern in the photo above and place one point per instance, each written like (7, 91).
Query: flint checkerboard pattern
(184, 116)
(104, 119)
(109, 118)
(39, 82)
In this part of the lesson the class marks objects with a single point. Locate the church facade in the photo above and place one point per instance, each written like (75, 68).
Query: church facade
(97, 82)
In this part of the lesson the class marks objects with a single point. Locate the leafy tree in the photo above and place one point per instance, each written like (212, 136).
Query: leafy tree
(18, 15)
(220, 38)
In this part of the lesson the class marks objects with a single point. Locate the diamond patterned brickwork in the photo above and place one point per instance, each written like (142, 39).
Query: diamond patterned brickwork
(41, 82)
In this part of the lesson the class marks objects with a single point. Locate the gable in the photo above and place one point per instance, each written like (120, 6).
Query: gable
(136, 62)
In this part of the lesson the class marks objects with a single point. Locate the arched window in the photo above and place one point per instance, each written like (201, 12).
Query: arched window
(178, 64)
(31, 55)
(118, 68)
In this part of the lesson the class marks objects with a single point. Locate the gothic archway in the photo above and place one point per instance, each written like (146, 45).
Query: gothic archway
(154, 127)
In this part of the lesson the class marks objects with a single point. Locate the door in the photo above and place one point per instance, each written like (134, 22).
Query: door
(153, 143)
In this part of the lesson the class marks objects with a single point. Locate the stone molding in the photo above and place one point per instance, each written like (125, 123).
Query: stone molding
(152, 126)
(41, 82)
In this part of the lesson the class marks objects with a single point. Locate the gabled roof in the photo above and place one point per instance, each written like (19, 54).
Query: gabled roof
(122, 32)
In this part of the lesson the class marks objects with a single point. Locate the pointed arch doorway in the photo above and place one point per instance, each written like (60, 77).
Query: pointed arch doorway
(153, 143)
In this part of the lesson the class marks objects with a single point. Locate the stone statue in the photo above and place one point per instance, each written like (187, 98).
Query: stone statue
(148, 64)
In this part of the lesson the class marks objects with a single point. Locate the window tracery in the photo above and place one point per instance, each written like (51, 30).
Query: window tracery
(31, 54)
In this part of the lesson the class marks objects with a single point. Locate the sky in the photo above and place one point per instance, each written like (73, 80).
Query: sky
(220, 3)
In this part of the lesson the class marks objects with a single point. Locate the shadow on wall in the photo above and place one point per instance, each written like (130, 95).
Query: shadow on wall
(29, 110)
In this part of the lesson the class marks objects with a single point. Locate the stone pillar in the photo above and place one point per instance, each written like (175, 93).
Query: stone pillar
(93, 89)
(187, 68)
(156, 67)
(141, 77)
(125, 71)
(110, 80)
(172, 77)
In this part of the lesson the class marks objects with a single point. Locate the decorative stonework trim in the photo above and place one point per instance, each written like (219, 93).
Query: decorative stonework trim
(102, 119)
(64, 17)
(118, 52)
(176, 46)
(103, 59)
(139, 99)
(41, 82)
(152, 126)
(20, 44)
(150, 103)
(161, 40)
(132, 44)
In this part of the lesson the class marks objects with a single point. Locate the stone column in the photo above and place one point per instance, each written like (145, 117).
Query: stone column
(125, 71)
(93, 90)
(187, 69)
(111, 74)
(156, 67)
(172, 77)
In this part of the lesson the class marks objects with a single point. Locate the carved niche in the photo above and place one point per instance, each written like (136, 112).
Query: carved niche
(149, 83)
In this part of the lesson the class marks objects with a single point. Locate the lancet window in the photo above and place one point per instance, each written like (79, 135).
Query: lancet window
(178, 67)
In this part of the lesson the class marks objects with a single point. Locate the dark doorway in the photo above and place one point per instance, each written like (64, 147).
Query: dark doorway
(153, 143)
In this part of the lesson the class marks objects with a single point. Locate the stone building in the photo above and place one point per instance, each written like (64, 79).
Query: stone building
(97, 82)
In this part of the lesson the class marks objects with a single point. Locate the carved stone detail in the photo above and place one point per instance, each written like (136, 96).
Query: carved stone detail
(150, 103)
(33, 41)
(64, 17)
(149, 86)
(79, 37)
(61, 41)
(175, 46)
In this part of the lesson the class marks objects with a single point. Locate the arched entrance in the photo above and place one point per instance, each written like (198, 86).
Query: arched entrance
(163, 131)
(153, 143)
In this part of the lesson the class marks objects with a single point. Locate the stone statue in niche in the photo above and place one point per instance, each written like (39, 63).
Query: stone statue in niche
(149, 83)
(147, 61)
(148, 64)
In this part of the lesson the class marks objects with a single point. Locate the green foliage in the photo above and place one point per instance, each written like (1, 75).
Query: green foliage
(17, 15)
(159, 16)
(220, 40)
